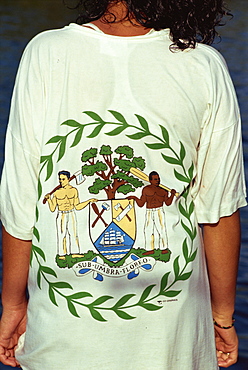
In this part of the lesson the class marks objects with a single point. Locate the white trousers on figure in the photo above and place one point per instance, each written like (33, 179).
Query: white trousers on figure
(67, 235)
(155, 220)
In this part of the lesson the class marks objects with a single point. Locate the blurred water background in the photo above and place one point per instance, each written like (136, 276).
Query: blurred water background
(20, 20)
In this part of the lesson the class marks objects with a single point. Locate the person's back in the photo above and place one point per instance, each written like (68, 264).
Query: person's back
(116, 284)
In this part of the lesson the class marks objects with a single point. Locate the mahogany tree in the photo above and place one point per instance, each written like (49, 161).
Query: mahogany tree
(112, 170)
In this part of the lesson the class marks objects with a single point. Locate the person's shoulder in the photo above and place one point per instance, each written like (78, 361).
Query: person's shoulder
(54, 38)
(162, 191)
(72, 189)
(209, 55)
(204, 60)
(147, 187)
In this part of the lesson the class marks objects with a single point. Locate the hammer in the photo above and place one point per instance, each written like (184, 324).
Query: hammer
(105, 207)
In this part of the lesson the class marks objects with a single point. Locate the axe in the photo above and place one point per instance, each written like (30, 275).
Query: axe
(124, 212)
(79, 180)
(117, 206)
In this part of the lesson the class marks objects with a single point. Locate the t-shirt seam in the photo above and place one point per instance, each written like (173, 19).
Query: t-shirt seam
(226, 128)
(217, 131)
(214, 53)
(144, 38)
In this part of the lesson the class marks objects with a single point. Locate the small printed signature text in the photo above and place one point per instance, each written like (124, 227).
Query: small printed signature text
(166, 301)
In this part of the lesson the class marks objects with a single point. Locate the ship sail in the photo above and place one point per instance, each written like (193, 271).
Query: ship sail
(112, 237)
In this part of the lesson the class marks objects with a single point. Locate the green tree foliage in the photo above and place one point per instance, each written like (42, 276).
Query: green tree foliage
(112, 169)
(91, 170)
(99, 185)
(105, 150)
(89, 154)
(126, 150)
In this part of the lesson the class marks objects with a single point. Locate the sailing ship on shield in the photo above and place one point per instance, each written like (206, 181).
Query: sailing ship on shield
(112, 228)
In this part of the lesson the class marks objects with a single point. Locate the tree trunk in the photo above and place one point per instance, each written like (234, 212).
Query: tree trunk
(111, 194)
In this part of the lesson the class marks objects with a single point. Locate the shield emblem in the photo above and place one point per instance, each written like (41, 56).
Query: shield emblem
(112, 227)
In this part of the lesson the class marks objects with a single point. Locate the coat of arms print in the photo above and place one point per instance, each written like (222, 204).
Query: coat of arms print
(116, 172)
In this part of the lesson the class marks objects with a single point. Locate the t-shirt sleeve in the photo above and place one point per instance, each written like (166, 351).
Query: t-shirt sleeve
(219, 188)
(18, 192)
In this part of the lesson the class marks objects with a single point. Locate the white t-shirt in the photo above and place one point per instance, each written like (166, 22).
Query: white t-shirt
(118, 277)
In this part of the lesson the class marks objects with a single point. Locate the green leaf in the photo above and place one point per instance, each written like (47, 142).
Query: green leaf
(124, 300)
(39, 278)
(94, 116)
(138, 135)
(78, 137)
(171, 293)
(39, 189)
(116, 131)
(146, 292)
(181, 177)
(171, 160)
(100, 300)
(176, 267)
(164, 281)
(143, 122)
(49, 168)
(36, 213)
(185, 276)
(182, 151)
(190, 171)
(96, 131)
(31, 257)
(118, 116)
(185, 192)
(183, 210)
(55, 139)
(62, 285)
(71, 123)
(96, 315)
(186, 228)
(48, 270)
(79, 295)
(39, 251)
(191, 208)
(156, 146)
(123, 315)
(192, 257)
(194, 233)
(36, 234)
(72, 308)
(44, 158)
(185, 250)
(62, 149)
(165, 134)
(150, 306)
(191, 234)
(52, 296)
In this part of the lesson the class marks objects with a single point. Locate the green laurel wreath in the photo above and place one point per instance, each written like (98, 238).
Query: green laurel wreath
(180, 273)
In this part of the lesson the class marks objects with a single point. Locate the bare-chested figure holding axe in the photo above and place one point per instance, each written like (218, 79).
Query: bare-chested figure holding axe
(66, 200)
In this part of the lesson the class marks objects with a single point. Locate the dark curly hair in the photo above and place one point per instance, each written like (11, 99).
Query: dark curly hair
(189, 21)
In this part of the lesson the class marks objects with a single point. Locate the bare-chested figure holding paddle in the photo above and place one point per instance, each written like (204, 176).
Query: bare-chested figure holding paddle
(155, 197)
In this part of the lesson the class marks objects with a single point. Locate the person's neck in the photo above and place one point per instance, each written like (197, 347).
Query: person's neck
(121, 26)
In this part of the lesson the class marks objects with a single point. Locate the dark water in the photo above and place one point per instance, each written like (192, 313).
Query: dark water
(20, 20)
